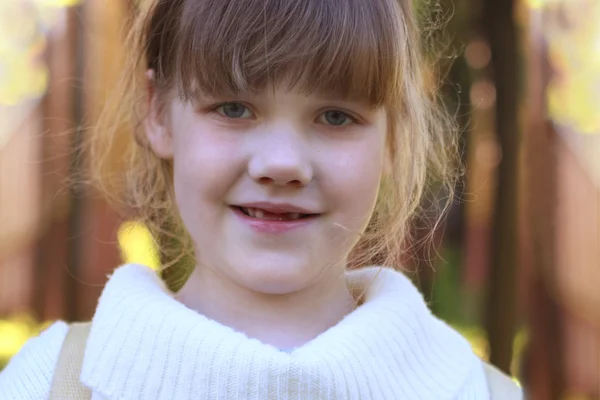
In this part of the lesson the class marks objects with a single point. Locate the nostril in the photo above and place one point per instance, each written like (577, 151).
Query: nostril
(265, 180)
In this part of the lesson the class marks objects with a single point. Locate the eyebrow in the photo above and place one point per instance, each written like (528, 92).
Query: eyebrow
(324, 95)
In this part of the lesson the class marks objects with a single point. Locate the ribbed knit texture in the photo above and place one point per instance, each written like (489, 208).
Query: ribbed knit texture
(29, 373)
(146, 345)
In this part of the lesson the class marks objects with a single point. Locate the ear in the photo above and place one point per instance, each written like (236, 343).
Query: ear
(156, 125)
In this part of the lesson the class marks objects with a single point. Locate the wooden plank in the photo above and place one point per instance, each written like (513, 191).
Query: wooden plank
(502, 293)
(54, 240)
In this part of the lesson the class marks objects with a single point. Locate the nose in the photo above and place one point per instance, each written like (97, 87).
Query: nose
(282, 158)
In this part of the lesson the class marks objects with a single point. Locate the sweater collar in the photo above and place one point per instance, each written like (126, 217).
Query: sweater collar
(145, 344)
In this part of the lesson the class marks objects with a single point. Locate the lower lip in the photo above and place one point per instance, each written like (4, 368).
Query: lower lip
(272, 226)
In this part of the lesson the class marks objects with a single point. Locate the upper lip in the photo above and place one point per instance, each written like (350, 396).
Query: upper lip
(277, 208)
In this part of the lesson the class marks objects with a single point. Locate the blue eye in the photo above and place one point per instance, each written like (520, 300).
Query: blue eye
(234, 110)
(337, 118)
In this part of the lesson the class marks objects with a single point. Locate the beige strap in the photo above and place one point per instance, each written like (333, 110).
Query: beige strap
(501, 386)
(66, 383)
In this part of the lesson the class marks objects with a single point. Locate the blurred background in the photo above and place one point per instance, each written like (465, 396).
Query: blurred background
(517, 266)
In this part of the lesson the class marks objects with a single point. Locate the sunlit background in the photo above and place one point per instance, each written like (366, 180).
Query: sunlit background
(519, 259)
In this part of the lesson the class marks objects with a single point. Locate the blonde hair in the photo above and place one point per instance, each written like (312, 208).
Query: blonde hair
(366, 50)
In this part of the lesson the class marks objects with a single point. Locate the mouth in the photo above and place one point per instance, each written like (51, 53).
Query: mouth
(262, 214)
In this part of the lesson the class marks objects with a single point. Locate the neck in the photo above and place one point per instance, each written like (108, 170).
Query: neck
(284, 321)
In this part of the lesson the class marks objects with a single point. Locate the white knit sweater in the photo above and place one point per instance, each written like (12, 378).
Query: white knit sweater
(144, 344)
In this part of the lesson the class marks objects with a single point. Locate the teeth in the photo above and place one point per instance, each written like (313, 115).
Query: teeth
(260, 214)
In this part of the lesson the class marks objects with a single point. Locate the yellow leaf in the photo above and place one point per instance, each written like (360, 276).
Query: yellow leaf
(137, 245)
(58, 3)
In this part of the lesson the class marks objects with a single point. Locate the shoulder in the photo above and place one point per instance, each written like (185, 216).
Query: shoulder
(29, 373)
(500, 385)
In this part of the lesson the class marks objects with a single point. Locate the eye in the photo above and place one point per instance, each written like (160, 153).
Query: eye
(336, 118)
(234, 111)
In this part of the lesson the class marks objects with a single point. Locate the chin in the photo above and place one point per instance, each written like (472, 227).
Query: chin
(275, 275)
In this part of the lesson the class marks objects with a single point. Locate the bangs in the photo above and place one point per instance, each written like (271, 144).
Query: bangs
(346, 49)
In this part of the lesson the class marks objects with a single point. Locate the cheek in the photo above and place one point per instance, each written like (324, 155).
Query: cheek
(353, 181)
(206, 165)
(204, 160)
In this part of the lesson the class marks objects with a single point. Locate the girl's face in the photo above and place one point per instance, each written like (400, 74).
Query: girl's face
(275, 187)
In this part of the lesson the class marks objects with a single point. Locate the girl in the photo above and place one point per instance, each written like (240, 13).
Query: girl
(280, 142)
